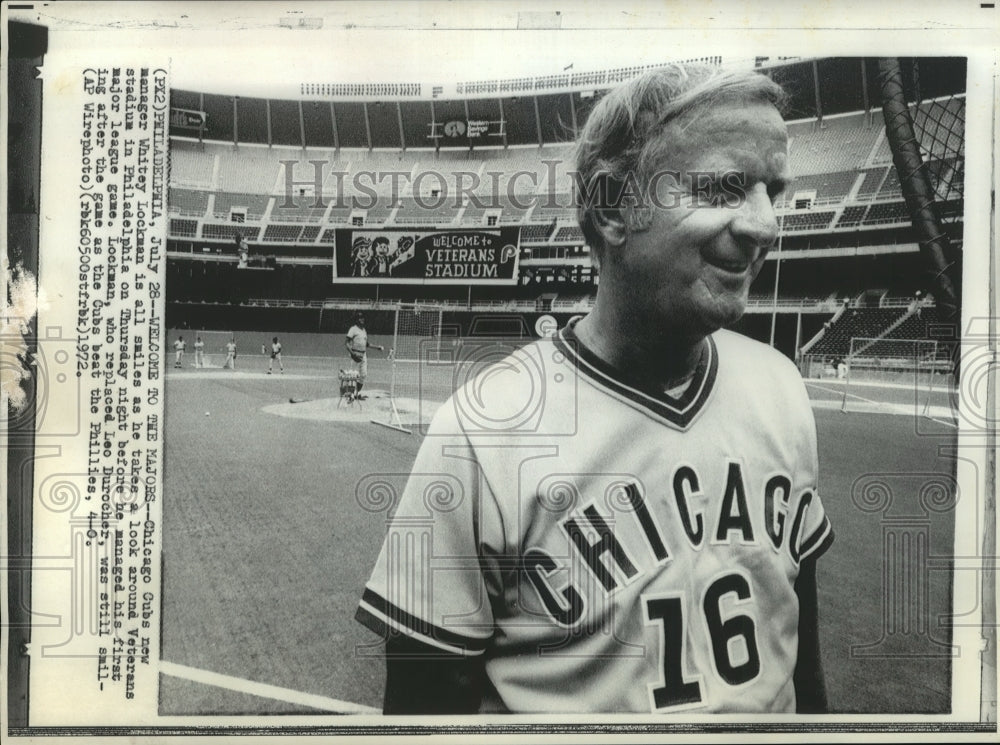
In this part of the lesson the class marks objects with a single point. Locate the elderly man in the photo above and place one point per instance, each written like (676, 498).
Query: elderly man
(647, 542)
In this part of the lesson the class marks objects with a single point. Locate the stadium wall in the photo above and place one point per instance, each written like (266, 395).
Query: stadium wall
(193, 317)
(239, 318)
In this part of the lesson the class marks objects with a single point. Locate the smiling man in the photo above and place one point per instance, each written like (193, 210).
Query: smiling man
(647, 543)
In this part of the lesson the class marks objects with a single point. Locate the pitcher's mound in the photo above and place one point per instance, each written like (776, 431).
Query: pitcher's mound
(412, 411)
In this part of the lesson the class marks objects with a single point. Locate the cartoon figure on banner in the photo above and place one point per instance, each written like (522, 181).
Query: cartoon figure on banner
(361, 257)
(382, 256)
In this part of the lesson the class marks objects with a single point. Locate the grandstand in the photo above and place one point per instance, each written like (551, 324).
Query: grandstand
(188, 201)
(854, 322)
(248, 205)
(531, 233)
(807, 221)
(874, 177)
(433, 209)
(844, 221)
(830, 188)
(837, 144)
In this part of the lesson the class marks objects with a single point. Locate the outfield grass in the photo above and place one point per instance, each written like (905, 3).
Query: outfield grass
(267, 545)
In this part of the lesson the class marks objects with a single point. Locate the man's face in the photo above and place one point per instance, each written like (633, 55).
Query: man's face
(689, 272)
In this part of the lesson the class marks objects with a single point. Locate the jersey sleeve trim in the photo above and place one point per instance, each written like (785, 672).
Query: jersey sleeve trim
(379, 615)
(817, 544)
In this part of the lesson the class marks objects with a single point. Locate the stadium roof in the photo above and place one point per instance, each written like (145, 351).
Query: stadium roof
(420, 57)
(272, 49)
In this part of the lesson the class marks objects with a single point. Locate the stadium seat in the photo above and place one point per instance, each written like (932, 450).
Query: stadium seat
(887, 212)
(282, 233)
(856, 322)
(188, 201)
(191, 165)
(254, 204)
(852, 216)
(839, 144)
(807, 221)
(183, 228)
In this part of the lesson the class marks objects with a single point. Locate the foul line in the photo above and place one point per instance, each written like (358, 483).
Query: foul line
(870, 383)
(264, 690)
(840, 395)
(886, 408)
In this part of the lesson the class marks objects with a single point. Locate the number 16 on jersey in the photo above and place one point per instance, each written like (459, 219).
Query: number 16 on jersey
(731, 636)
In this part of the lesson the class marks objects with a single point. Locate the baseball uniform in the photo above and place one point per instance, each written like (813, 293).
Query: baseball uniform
(275, 355)
(230, 355)
(359, 349)
(605, 547)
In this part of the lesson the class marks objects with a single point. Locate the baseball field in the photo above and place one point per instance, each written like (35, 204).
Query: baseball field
(272, 525)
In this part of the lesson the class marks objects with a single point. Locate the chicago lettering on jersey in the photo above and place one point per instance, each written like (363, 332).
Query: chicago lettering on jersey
(729, 522)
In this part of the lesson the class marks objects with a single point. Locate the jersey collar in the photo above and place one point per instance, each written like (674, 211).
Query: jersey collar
(679, 411)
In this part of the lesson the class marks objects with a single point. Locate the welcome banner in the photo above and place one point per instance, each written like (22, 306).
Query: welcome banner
(427, 256)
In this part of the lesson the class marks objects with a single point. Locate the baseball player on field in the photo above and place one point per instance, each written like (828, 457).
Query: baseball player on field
(644, 539)
(357, 346)
(275, 356)
(179, 346)
(199, 352)
(230, 355)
